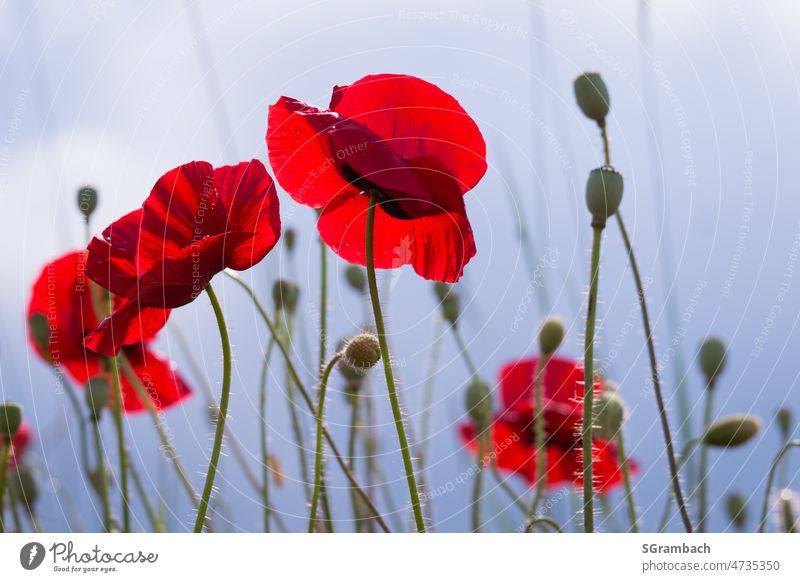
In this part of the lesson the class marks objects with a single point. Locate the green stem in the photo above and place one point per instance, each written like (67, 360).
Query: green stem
(122, 451)
(462, 347)
(541, 519)
(387, 366)
(12, 503)
(477, 485)
(323, 342)
(80, 415)
(323, 385)
(685, 452)
(771, 478)
(588, 384)
(297, 429)
(351, 457)
(262, 407)
(101, 476)
(4, 457)
(702, 485)
(157, 524)
(223, 410)
(309, 402)
(538, 419)
(605, 506)
(626, 480)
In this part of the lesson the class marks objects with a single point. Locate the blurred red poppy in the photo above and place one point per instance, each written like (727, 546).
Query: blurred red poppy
(396, 136)
(19, 444)
(512, 430)
(197, 221)
(61, 300)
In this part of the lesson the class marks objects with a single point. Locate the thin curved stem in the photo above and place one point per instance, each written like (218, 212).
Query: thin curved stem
(477, 485)
(309, 402)
(323, 342)
(80, 414)
(462, 347)
(387, 366)
(101, 476)
(122, 451)
(685, 451)
(148, 507)
(4, 457)
(588, 384)
(223, 410)
(771, 478)
(12, 503)
(538, 421)
(532, 523)
(351, 456)
(318, 459)
(297, 429)
(626, 481)
(262, 425)
(702, 484)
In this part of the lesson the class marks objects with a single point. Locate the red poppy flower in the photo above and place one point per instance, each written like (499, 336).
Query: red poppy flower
(19, 444)
(512, 431)
(62, 297)
(197, 221)
(399, 137)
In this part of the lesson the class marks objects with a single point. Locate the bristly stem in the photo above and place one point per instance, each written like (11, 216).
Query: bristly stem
(262, 408)
(318, 458)
(473, 369)
(702, 483)
(387, 365)
(351, 455)
(101, 476)
(651, 350)
(4, 457)
(538, 424)
(626, 481)
(323, 342)
(222, 413)
(771, 478)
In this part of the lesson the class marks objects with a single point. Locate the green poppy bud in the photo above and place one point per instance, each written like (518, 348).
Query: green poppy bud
(592, 96)
(441, 290)
(732, 431)
(10, 419)
(609, 412)
(356, 277)
(23, 484)
(285, 294)
(449, 301)
(87, 201)
(712, 358)
(603, 194)
(479, 403)
(289, 237)
(784, 416)
(97, 393)
(737, 510)
(610, 386)
(551, 334)
(362, 351)
(40, 333)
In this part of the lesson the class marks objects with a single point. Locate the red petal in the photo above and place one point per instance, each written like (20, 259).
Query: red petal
(158, 377)
(419, 120)
(562, 382)
(438, 246)
(248, 194)
(112, 256)
(129, 324)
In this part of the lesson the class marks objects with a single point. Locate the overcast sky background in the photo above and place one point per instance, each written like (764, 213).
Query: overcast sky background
(704, 126)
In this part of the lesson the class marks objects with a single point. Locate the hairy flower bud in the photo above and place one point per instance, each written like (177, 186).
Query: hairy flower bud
(712, 358)
(609, 412)
(737, 509)
(732, 431)
(551, 334)
(784, 417)
(87, 201)
(26, 492)
(289, 237)
(356, 278)
(479, 403)
(603, 194)
(591, 94)
(362, 351)
(449, 301)
(97, 393)
(10, 419)
(285, 294)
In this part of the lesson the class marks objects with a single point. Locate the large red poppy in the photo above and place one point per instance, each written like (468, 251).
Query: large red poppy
(19, 444)
(512, 430)
(197, 221)
(62, 297)
(401, 138)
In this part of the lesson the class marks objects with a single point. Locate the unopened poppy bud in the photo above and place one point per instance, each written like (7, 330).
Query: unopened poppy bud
(26, 492)
(732, 431)
(449, 301)
(592, 96)
(285, 294)
(479, 403)
(97, 395)
(10, 419)
(289, 237)
(551, 334)
(784, 416)
(441, 290)
(362, 351)
(87, 201)
(712, 358)
(737, 509)
(603, 194)
(609, 412)
(40, 333)
(356, 278)
(610, 386)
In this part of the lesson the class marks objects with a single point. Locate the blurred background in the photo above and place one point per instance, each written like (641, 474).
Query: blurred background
(704, 125)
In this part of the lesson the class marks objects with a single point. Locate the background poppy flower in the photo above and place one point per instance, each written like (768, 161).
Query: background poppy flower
(197, 221)
(62, 296)
(512, 430)
(19, 444)
(399, 137)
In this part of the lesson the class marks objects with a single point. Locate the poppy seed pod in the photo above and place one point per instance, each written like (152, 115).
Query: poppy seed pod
(712, 358)
(10, 419)
(87, 201)
(737, 509)
(356, 278)
(784, 416)
(285, 294)
(97, 396)
(609, 412)
(479, 403)
(591, 94)
(362, 351)
(289, 237)
(24, 486)
(603, 194)
(551, 334)
(40, 332)
(732, 431)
